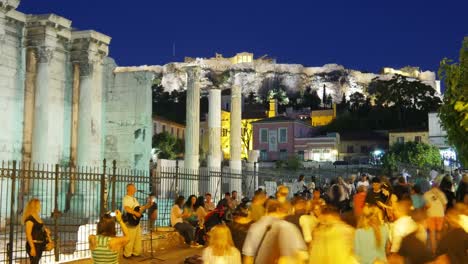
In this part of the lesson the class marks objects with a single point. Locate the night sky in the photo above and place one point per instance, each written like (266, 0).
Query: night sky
(364, 35)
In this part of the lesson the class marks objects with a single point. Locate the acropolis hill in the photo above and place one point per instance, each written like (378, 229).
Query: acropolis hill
(63, 100)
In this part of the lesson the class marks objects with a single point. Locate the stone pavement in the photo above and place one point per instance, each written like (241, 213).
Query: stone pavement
(170, 256)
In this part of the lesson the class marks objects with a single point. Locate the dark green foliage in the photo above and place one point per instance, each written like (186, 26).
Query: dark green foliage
(414, 154)
(169, 147)
(454, 111)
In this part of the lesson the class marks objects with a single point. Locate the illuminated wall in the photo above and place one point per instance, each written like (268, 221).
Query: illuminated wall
(323, 117)
(407, 136)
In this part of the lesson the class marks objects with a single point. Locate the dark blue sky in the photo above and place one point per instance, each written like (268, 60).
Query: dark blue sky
(364, 35)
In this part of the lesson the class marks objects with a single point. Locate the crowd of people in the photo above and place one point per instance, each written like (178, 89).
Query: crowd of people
(367, 220)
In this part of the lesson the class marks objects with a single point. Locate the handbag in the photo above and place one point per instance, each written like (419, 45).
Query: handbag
(49, 243)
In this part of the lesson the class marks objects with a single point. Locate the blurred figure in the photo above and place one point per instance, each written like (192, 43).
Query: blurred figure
(105, 246)
(308, 222)
(200, 230)
(299, 209)
(401, 189)
(282, 193)
(257, 209)
(375, 194)
(317, 198)
(209, 205)
(221, 247)
(371, 236)
(436, 203)
(417, 198)
(299, 185)
(454, 243)
(35, 230)
(462, 190)
(152, 211)
(332, 240)
(363, 181)
(446, 186)
(226, 201)
(359, 200)
(272, 238)
(404, 225)
(234, 201)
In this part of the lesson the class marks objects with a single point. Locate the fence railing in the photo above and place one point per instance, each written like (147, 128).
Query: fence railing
(73, 198)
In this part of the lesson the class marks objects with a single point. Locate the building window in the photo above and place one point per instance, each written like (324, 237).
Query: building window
(177, 132)
(263, 135)
(172, 131)
(263, 154)
(350, 149)
(400, 140)
(364, 149)
(224, 132)
(283, 155)
(164, 128)
(417, 139)
(283, 135)
(300, 155)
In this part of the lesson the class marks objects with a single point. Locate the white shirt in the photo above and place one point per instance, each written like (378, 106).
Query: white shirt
(401, 228)
(298, 186)
(129, 201)
(308, 224)
(231, 257)
(176, 213)
(435, 201)
(365, 183)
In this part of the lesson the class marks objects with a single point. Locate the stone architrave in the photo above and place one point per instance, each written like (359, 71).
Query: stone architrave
(214, 141)
(192, 129)
(235, 162)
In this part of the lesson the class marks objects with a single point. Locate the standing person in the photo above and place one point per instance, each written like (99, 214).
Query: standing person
(462, 191)
(234, 200)
(401, 189)
(209, 205)
(185, 229)
(272, 238)
(36, 232)
(371, 237)
(359, 200)
(446, 186)
(299, 185)
(134, 213)
(436, 203)
(417, 198)
(105, 246)
(257, 208)
(404, 226)
(364, 181)
(221, 248)
(375, 194)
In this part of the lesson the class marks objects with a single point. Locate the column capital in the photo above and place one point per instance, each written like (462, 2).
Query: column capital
(88, 49)
(7, 5)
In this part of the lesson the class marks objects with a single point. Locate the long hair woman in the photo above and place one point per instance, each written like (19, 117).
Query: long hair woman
(36, 233)
(221, 248)
(371, 236)
(189, 209)
(105, 246)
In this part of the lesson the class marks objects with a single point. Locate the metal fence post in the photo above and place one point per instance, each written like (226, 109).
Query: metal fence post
(177, 178)
(114, 169)
(56, 214)
(102, 209)
(12, 214)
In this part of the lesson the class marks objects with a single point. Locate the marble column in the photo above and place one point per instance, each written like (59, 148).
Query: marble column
(192, 128)
(235, 162)
(214, 141)
(43, 147)
(28, 114)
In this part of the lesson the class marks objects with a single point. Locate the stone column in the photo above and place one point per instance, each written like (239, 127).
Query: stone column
(28, 114)
(192, 127)
(214, 141)
(235, 162)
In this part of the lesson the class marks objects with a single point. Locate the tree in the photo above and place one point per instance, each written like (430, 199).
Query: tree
(324, 96)
(415, 154)
(454, 110)
(246, 134)
(409, 99)
(356, 100)
(169, 146)
(311, 99)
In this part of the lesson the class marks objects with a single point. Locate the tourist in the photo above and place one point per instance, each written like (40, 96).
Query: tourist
(462, 190)
(388, 207)
(134, 213)
(105, 246)
(299, 185)
(272, 238)
(282, 193)
(446, 186)
(221, 247)
(454, 243)
(364, 181)
(436, 203)
(299, 209)
(308, 222)
(185, 229)
(257, 208)
(36, 233)
(226, 201)
(200, 211)
(234, 201)
(190, 210)
(317, 198)
(417, 197)
(332, 240)
(209, 205)
(423, 183)
(401, 189)
(375, 194)
(371, 236)
(359, 200)
(404, 226)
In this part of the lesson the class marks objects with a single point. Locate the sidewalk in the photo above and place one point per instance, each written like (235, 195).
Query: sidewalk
(171, 256)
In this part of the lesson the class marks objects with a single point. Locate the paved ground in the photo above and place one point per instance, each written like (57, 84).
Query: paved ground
(173, 256)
